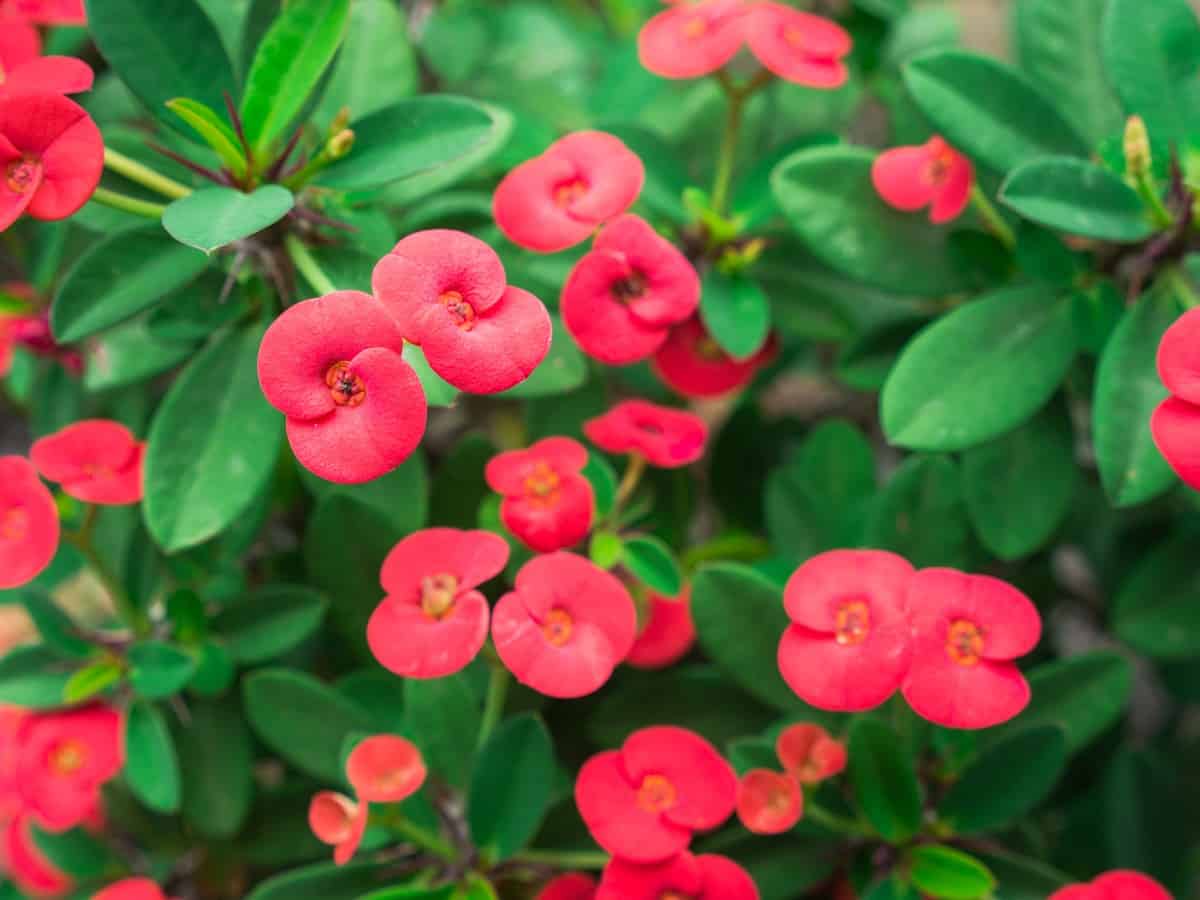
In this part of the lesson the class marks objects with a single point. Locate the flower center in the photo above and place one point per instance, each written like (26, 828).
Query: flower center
(462, 312)
(569, 191)
(650, 427)
(656, 794)
(98, 473)
(794, 36)
(14, 524)
(68, 757)
(22, 175)
(541, 485)
(437, 594)
(558, 627)
(964, 642)
(346, 388)
(695, 27)
(674, 895)
(709, 350)
(853, 622)
(629, 289)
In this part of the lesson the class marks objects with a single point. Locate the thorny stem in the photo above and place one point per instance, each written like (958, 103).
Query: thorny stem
(991, 218)
(82, 541)
(128, 204)
(737, 97)
(144, 175)
(308, 266)
(493, 707)
(1147, 190)
(567, 859)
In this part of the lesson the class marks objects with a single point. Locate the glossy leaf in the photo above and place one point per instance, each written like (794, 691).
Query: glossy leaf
(884, 780)
(217, 754)
(158, 669)
(735, 312)
(74, 852)
(1077, 197)
(652, 563)
(216, 216)
(326, 881)
(949, 874)
(151, 765)
(443, 717)
(510, 788)
(215, 131)
(920, 513)
(269, 622)
(1156, 610)
(377, 65)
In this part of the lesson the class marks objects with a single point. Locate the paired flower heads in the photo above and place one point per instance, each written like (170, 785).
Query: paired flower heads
(1176, 421)
(772, 802)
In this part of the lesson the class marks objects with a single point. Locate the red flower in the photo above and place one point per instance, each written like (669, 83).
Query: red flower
(547, 503)
(26, 865)
(705, 877)
(43, 12)
(572, 886)
(1176, 422)
(337, 820)
(565, 626)
(668, 634)
(693, 364)
(643, 802)
(447, 292)
(385, 768)
(131, 889)
(96, 461)
(433, 621)
(51, 154)
(809, 754)
(62, 760)
(769, 802)
(622, 297)
(355, 410)
(798, 46)
(1120, 884)
(692, 39)
(665, 437)
(556, 200)
(29, 527)
(967, 630)
(848, 648)
(24, 69)
(933, 174)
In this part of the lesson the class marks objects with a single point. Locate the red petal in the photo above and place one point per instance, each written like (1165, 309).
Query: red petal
(29, 527)
(1175, 426)
(689, 41)
(625, 880)
(131, 889)
(797, 46)
(582, 589)
(1009, 621)
(666, 437)
(705, 783)
(667, 636)
(612, 173)
(899, 176)
(957, 696)
(603, 326)
(1179, 357)
(472, 557)
(671, 285)
(525, 210)
(845, 678)
(409, 643)
(57, 74)
(954, 193)
(545, 529)
(331, 816)
(385, 768)
(607, 802)
(572, 886)
(681, 364)
(725, 880)
(768, 802)
(19, 44)
(817, 588)
(1124, 884)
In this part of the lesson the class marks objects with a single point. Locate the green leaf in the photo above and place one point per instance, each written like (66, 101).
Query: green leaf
(287, 66)
(1008, 780)
(212, 444)
(437, 391)
(1150, 52)
(1156, 610)
(979, 371)
(128, 354)
(564, 368)
(377, 65)
(1144, 826)
(920, 514)
(215, 670)
(827, 195)
(163, 50)
(53, 624)
(75, 852)
(401, 496)
(214, 217)
(989, 110)
(92, 680)
(735, 312)
(326, 881)
(216, 751)
(510, 789)
(269, 622)
(409, 138)
(885, 783)
(443, 716)
(1020, 878)
(603, 479)
(303, 720)
(1019, 487)
(151, 766)
(1127, 391)
(949, 874)
(214, 130)
(652, 563)
(1078, 197)
(158, 670)
(119, 277)
(33, 675)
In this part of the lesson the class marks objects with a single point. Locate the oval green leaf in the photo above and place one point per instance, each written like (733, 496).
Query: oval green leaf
(653, 564)
(511, 786)
(151, 766)
(269, 622)
(948, 874)
(1156, 609)
(217, 216)
(1078, 197)
(884, 780)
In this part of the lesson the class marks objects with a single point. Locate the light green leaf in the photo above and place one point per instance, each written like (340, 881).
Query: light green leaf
(215, 131)
(443, 716)
(653, 564)
(377, 65)
(34, 676)
(151, 766)
(216, 216)
(736, 312)
(948, 874)
(157, 669)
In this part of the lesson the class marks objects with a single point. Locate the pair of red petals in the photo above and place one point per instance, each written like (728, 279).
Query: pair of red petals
(1120, 884)
(131, 889)
(707, 877)
(668, 633)
(772, 802)
(691, 362)
(25, 863)
(643, 803)
(664, 437)
(547, 502)
(865, 624)
(694, 39)
(622, 297)
(1175, 424)
(43, 12)
(558, 199)
(933, 175)
(96, 461)
(25, 70)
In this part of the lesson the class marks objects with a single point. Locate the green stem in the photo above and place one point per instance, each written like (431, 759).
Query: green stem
(1183, 287)
(493, 707)
(129, 204)
(144, 175)
(737, 97)
(1148, 191)
(308, 266)
(629, 482)
(992, 219)
(415, 834)
(134, 618)
(834, 822)
(566, 860)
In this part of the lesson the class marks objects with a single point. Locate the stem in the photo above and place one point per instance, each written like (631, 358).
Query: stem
(415, 834)
(493, 707)
(834, 822)
(1183, 287)
(144, 175)
(308, 266)
(737, 96)
(129, 204)
(991, 218)
(583, 859)
(1148, 191)
(629, 482)
(82, 541)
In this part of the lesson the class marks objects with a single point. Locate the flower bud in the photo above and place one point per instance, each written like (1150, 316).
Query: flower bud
(340, 144)
(1137, 147)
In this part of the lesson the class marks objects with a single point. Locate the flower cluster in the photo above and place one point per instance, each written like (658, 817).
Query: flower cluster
(667, 632)
(1176, 421)
(865, 625)
(547, 501)
(772, 802)
(933, 174)
(1121, 884)
(43, 12)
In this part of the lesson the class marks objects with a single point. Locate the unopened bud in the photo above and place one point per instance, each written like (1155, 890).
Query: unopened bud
(1137, 147)
(340, 121)
(340, 144)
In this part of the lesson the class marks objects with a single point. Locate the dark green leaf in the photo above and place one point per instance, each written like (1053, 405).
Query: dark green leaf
(376, 67)
(510, 788)
(33, 675)
(215, 751)
(1078, 197)
(652, 563)
(885, 783)
(401, 496)
(128, 354)
(920, 514)
(216, 216)
(53, 624)
(1145, 827)
(151, 765)
(326, 881)
(1156, 609)
(159, 670)
(603, 479)
(75, 852)
(736, 312)
(1020, 878)
(443, 716)
(949, 874)
(269, 622)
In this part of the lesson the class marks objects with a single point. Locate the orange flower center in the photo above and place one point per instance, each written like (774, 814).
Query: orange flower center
(437, 594)
(558, 627)
(852, 623)
(98, 473)
(695, 27)
(964, 642)
(462, 312)
(22, 175)
(68, 757)
(656, 794)
(940, 163)
(14, 524)
(794, 36)
(709, 350)
(674, 895)
(542, 485)
(629, 289)
(569, 191)
(346, 388)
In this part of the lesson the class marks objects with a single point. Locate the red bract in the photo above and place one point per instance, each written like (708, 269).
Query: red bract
(685, 877)
(769, 802)
(692, 39)
(51, 154)
(43, 12)
(447, 292)
(24, 69)
(693, 364)
(433, 621)
(385, 768)
(337, 820)
(1175, 424)
(547, 503)
(967, 629)
(1179, 357)
(798, 46)
(28, 867)
(664, 437)
(29, 528)
(933, 174)
(96, 461)
(572, 886)
(622, 297)
(131, 889)
(556, 200)
(809, 754)
(355, 410)
(1121, 884)
(668, 634)
(565, 626)
(848, 648)
(643, 802)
